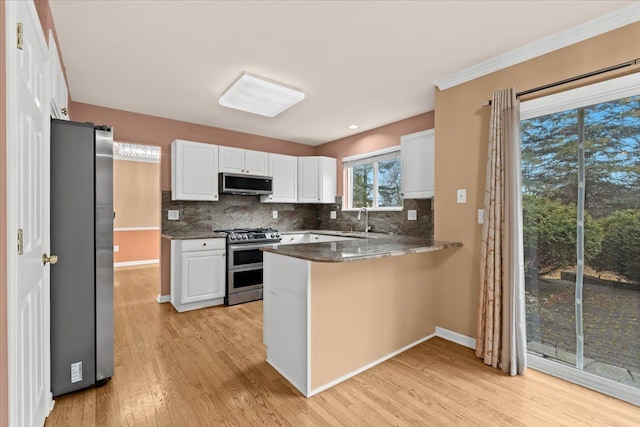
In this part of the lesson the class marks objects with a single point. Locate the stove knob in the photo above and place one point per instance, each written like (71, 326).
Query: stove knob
(277, 235)
(273, 235)
(232, 237)
(244, 237)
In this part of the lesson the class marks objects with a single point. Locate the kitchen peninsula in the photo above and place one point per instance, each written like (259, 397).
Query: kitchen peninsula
(335, 309)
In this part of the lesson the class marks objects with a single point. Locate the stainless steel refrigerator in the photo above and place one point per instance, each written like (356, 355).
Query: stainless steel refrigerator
(82, 238)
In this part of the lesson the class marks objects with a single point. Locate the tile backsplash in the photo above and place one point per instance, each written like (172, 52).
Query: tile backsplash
(233, 211)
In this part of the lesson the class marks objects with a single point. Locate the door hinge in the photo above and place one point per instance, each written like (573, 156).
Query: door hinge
(20, 36)
(20, 241)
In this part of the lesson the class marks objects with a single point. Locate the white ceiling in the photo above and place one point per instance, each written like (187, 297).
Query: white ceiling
(364, 62)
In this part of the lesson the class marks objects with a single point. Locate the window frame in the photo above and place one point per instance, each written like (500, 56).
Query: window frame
(372, 158)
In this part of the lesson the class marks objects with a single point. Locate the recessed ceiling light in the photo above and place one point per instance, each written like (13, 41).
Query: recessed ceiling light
(352, 127)
(256, 95)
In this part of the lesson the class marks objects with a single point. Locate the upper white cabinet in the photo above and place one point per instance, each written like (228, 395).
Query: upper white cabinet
(418, 161)
(284, 170)
(59, 90)
(194, 171)
(317, 179)
(238, 160)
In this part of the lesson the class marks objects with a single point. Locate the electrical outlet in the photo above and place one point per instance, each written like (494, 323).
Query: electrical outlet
(332, 215)
(275, 214)
(173, 215)
(412, 215)
(462, 196)
(480, 216)
(116, 248)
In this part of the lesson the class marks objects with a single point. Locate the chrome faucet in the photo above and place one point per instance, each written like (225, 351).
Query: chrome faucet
(366, 219)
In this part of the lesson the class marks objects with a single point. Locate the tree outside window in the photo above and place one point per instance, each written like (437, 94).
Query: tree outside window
(375, 182)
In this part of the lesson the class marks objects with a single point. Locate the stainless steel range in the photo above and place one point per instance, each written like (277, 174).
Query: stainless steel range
(244, 262)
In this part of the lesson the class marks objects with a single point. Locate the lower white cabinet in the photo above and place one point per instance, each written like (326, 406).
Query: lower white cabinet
(198, 273)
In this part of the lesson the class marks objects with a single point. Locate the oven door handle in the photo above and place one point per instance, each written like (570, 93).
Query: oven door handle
(242, 246)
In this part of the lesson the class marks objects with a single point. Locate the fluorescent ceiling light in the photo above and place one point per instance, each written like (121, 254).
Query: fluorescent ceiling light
(352, 127)
(259, 96)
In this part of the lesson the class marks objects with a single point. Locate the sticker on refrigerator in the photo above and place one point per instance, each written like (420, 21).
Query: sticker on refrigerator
(76, 372)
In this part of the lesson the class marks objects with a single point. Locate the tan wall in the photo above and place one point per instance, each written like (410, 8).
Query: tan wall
(136, 194)
(145, 129)
(136, 201)
(362, 311)
(462, 128)
(372, 140)
(4, 380)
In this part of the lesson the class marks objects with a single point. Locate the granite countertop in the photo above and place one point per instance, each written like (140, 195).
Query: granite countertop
(188, 235)
(360, 249)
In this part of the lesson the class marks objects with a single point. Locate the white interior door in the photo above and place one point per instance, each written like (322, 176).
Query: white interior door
(28, 215)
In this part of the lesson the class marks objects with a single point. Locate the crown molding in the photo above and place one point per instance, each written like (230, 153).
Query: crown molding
(603, 24)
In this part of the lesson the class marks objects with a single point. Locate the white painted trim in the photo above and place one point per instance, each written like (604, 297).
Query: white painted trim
(141, 262)
(595, 27)
(163, 298)
(372, 154)
(368, 366)
(11, 187)
(456, 337)
(136, 228)
(608, 90)
(585, 379)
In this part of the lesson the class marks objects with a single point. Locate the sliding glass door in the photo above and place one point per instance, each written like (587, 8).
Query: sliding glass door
(581, 214)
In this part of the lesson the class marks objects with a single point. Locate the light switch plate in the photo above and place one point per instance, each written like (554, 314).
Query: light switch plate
(332, 214)
(412, 215)
(274, 214)
(116, 248)
(480, 216)
(173, 215)
(462, 196)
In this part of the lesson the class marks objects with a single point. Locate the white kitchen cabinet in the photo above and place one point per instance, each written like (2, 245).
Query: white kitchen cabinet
(238, 160)
(317, 179)
(198, 273)
(284, 170)
(194, 171)
(418, 161)
(59, 90)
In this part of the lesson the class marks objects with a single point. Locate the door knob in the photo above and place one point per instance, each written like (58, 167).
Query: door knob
(53, 259)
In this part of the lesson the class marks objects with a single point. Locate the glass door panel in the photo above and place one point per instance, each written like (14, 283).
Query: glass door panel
(581, 213)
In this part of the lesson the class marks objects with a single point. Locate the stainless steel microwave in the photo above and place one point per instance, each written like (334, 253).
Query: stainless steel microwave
(252, 185)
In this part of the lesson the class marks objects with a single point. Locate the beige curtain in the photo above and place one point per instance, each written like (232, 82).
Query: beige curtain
(501, 335)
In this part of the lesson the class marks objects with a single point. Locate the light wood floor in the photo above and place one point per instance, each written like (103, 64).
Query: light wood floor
(206, 367)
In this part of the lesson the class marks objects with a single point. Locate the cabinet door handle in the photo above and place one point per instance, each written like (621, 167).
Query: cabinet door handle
(204, 244)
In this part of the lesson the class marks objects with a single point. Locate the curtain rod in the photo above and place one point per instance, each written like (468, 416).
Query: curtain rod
(574, 79)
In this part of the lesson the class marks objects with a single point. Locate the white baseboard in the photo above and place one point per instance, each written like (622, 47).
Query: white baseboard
(130, 263)
(368, 366)
(163, 298)
(455, 337)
